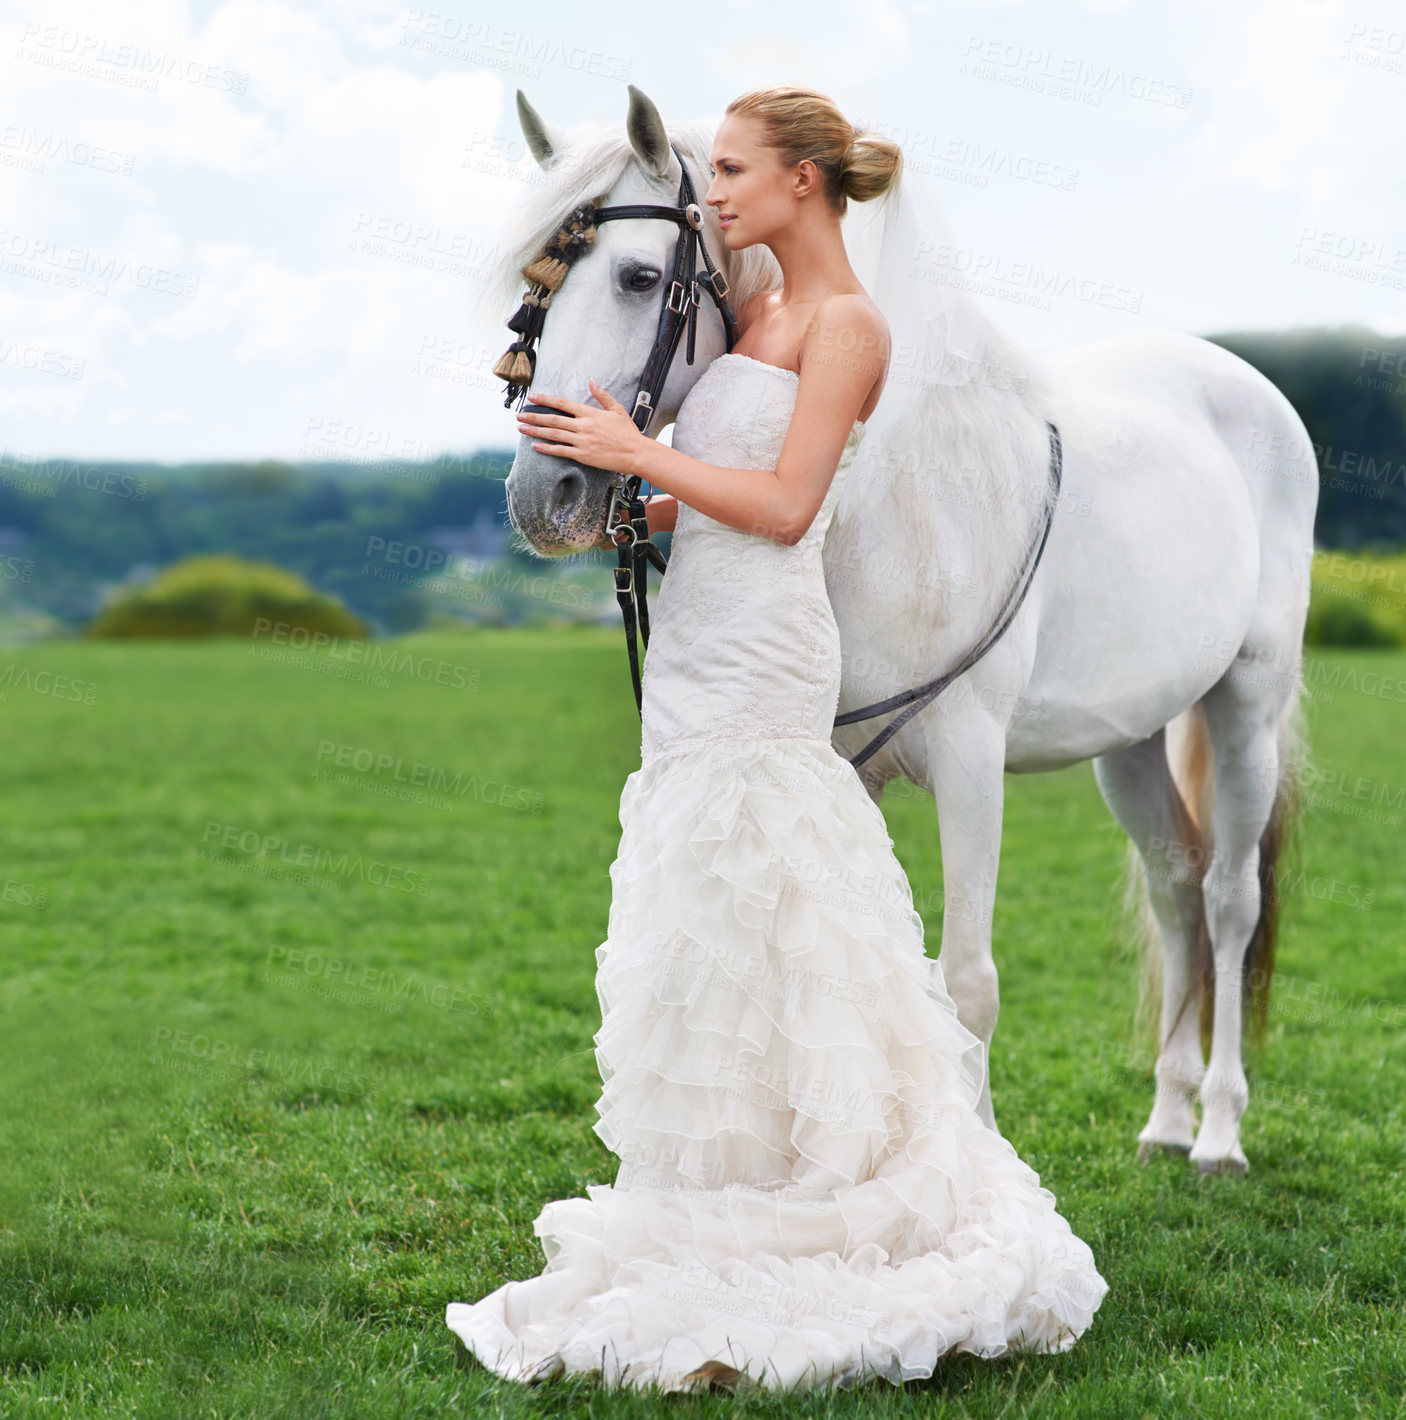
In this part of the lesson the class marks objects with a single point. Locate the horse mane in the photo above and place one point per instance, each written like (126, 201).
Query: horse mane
(597, 157)
(959, 471)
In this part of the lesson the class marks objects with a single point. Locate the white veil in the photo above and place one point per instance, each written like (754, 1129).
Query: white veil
(902, 251)
(956, 443)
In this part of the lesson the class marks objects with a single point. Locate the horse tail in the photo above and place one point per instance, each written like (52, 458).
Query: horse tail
(1192, 768)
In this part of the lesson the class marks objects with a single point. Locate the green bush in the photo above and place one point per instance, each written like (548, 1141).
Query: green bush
(223, 596)
(1358, 599)
(1338, 623)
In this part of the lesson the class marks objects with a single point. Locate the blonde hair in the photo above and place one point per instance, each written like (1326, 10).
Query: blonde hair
(803, 123)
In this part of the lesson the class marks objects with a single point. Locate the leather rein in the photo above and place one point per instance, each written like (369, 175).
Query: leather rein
(680, 309)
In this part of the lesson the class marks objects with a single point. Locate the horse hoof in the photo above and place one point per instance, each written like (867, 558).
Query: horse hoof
(1150, 1148)
(1235, 1167)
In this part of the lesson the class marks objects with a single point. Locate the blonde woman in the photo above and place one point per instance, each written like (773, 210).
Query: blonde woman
(806, 1194)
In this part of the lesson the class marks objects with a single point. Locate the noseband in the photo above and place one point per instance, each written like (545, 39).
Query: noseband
(680, 308)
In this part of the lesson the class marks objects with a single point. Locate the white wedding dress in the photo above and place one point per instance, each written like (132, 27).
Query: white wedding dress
(805, 1190)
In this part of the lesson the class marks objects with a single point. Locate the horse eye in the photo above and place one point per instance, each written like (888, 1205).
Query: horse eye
(642, 278)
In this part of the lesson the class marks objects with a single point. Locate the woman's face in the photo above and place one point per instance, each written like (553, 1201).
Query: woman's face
(749, 185)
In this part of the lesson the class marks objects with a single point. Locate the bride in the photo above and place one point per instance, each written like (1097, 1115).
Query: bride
(806, 1196)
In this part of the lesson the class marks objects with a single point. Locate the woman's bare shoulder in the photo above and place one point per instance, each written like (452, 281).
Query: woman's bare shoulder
(855, 313)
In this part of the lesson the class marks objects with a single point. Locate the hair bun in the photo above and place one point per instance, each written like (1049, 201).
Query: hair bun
(872, 165)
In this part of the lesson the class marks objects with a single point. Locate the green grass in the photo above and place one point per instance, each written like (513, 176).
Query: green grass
(280, 1236)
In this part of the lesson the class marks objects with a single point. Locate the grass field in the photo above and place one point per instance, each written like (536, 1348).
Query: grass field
(240, 1180)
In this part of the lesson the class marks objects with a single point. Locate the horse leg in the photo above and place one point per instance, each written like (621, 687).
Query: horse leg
(1140, 791)
(966, 756)
(1243, 718)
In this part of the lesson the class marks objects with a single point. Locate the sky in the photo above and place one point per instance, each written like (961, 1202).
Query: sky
(255, 229)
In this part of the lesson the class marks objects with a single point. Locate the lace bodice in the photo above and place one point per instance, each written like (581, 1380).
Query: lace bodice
(742, 639)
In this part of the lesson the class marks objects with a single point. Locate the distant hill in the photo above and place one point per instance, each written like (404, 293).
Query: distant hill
(379, 536)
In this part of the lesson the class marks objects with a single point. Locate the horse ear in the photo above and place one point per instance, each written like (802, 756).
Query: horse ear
(545, 141)
(647, 136)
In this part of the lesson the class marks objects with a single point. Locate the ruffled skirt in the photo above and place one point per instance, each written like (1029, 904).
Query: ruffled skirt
(805, 1190)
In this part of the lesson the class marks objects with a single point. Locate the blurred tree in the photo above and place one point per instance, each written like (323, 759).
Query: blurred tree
(1349, 388)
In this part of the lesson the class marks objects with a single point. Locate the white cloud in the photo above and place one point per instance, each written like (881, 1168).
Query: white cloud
(1291, 111)
(841, 44)
(261, 196)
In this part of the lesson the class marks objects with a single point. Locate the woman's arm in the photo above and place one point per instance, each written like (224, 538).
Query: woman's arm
(841, 359)
(752, 500)
(662, 511)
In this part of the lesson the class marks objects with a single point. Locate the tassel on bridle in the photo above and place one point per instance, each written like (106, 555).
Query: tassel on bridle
(546, 272)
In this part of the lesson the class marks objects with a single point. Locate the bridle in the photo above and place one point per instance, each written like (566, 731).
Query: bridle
(679, 310)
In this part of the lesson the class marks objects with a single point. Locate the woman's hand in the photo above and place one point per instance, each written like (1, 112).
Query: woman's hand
(605, 438)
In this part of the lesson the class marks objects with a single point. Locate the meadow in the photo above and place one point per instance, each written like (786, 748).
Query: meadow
(297, 1005)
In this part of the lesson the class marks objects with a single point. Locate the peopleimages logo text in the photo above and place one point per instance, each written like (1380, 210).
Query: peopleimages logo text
(367, 653)
(312, 857)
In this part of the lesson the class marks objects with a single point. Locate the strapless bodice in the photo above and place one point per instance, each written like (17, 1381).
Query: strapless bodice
(743, 640)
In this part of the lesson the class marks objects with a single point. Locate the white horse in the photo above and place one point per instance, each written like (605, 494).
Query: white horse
(1161, 636)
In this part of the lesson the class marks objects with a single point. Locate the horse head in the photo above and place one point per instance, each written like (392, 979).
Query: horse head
(602, 320)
